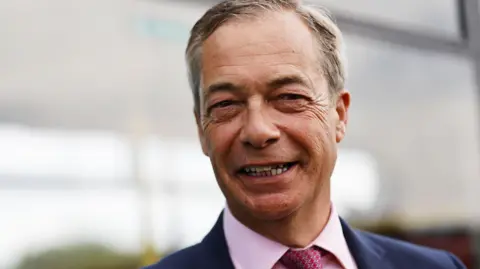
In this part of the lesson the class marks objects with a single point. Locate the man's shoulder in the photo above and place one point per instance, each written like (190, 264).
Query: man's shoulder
(402, 252)
(189, 257)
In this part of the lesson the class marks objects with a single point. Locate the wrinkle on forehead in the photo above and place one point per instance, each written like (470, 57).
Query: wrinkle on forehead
(270, 52)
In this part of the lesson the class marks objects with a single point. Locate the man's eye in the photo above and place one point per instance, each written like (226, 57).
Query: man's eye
(222, 104)
(290, 96)
(219, 105)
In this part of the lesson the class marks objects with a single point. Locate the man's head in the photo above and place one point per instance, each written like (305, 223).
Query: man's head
(268, 83)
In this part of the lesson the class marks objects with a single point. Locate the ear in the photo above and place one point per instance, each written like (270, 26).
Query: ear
(201, 134)
(342, 105)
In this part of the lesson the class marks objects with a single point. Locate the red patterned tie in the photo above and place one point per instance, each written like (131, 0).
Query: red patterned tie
(303, 259)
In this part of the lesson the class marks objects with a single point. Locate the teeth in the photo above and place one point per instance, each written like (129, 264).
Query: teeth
(259, 171)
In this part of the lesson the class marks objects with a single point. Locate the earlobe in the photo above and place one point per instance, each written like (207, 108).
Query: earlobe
(340, 132)
(201, 134)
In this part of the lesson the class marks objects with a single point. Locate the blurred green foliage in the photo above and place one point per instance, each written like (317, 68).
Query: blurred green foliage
(84, 256)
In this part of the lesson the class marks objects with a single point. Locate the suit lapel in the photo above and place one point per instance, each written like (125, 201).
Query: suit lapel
(366, 253)
(216, 249)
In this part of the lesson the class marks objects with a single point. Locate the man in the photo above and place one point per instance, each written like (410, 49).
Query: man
(268, 83)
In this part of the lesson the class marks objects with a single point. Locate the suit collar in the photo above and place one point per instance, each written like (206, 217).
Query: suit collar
(367, 254)
(215, 246)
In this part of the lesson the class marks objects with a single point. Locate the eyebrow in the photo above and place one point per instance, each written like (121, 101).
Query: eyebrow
(287, 80)
(222, 87)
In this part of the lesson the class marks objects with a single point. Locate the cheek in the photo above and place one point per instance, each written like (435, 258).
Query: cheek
(311, 131)
(220, 139)
(312, 125)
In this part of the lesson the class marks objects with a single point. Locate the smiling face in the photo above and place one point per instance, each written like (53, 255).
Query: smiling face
(267, 120)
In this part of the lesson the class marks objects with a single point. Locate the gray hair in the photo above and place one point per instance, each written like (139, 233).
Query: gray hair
(327, 35)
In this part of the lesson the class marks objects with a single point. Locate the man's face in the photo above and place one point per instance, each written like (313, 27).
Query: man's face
(266, 120)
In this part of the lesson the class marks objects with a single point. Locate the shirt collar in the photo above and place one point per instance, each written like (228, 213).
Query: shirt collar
(249, 249)
(333, 240)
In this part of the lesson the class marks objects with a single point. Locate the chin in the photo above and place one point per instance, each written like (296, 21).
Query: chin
(272, 207)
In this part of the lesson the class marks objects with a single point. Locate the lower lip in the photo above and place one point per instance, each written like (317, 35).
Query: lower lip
(268, 179)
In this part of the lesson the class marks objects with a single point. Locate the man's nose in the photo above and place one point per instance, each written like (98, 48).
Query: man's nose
(258, 130)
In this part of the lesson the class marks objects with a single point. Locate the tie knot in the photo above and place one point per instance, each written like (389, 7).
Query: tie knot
(303, 259)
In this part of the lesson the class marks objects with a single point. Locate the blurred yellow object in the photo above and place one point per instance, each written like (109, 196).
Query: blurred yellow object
(149, 256)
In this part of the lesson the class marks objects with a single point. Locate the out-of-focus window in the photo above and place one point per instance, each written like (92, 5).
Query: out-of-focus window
(47, 159)
(438, 17)
(355, 183)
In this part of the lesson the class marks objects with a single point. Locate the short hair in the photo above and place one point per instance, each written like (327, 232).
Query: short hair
(325, 31)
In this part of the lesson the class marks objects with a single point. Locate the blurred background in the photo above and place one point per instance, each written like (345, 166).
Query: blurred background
(99, 161)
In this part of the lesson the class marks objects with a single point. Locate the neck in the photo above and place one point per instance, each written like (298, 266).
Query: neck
(296, 230)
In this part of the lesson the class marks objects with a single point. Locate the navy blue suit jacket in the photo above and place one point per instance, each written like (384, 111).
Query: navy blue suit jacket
(370, 251)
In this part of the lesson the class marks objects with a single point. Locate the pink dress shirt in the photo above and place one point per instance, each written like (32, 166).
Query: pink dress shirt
(250, 250)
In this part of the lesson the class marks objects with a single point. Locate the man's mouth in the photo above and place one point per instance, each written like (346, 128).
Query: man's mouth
(266, 170)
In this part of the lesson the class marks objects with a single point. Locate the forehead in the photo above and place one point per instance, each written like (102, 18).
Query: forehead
(256, 48)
